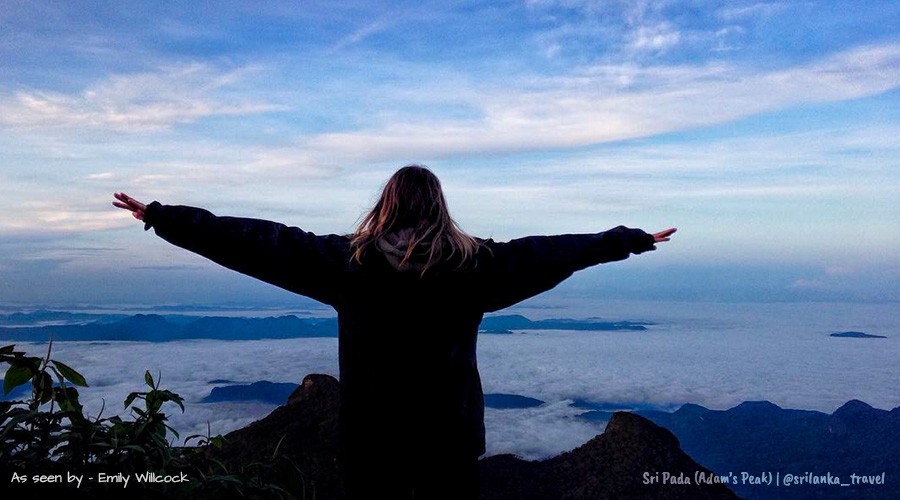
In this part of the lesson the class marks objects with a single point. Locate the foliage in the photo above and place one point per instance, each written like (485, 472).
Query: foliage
(49, 434)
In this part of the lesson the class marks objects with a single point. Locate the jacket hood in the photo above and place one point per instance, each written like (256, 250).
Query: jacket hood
(394, 245)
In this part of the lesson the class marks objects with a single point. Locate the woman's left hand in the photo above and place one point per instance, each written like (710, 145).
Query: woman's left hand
(663, 235)
(128, 203)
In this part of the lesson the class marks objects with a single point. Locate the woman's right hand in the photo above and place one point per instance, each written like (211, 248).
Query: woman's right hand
(663, 235)
(128, 203)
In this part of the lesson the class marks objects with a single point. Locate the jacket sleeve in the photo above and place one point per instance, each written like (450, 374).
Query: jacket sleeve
(525, 267)
(287, 257)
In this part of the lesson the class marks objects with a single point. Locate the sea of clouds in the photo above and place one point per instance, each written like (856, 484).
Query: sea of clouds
(716, 355)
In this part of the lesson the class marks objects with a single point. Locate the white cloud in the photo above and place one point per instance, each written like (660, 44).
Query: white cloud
(610, 103)
(134, 102)
(761, 9)
(657, 38)
(249, 165)
(57, 216)
(360, 35)
(758, 153)
(679, 360)
(537, 433)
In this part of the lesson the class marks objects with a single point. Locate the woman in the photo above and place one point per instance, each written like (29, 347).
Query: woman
(410, 289)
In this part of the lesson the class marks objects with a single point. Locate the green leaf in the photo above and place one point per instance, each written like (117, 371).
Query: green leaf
(16, 376)
(7, 349)
(35, 363)
(171, 429)
(220, 464)
(67, 399)
(171, 396)
(130, 399)
(194, 436)
(148, 378)
(44, 387)
(14, 421)
(70, 374)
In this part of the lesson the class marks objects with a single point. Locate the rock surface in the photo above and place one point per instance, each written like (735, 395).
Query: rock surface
(609, 466)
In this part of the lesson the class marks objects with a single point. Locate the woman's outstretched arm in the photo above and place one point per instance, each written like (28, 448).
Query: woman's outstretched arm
(288, 257)
(525, 267)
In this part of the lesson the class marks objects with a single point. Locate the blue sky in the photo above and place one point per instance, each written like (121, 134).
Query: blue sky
(765, 131)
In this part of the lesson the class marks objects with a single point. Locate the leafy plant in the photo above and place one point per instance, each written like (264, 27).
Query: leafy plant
(49, 433)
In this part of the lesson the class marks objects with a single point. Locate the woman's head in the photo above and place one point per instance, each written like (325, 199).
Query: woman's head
(412, 203)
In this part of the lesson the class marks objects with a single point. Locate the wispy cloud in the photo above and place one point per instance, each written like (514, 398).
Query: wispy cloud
(56, 216)
(760, 9)
(359, 35)
(134, 102)
(616, 102)
(657, 38)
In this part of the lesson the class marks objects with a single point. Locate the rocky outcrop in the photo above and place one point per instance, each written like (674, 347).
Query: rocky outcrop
(304, 430)
(633, 459)
(609, 466)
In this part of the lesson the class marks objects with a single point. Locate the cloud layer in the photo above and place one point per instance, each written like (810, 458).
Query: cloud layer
(716, 355)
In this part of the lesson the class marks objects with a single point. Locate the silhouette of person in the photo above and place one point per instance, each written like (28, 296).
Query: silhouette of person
(410, 289)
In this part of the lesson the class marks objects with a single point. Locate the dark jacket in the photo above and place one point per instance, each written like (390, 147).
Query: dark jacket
(406, 343)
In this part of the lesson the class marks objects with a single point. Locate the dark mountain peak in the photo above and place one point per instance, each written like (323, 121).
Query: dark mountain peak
(854, 410)
(612, 465)
(691, 410)
(636, 431)
(755, 407)
(304, 430)
(855, 404)
(315, 386)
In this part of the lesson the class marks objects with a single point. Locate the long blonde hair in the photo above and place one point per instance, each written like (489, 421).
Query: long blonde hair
(413, 198)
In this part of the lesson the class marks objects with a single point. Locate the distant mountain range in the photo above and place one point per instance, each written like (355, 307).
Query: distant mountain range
(32, 327)
(263, 390)
(758, 436)
(278, 392)
(157, 328)
(43, 316)
(506, 323)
